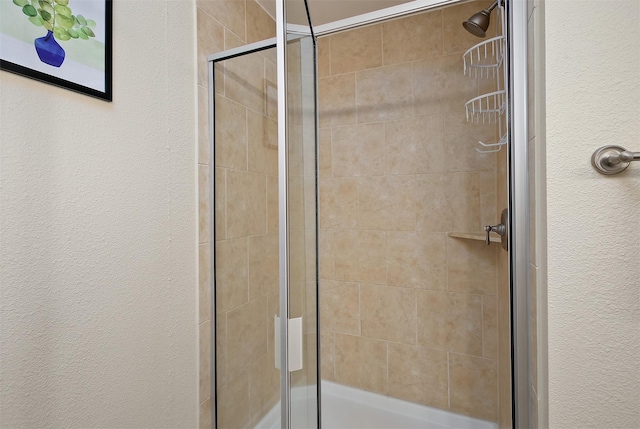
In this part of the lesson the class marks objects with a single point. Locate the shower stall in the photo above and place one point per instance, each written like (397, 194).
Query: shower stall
(359, 172)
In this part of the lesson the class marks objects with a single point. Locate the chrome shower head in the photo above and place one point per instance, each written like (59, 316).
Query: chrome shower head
(479, 22)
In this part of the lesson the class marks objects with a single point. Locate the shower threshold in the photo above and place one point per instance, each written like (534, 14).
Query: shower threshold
(348, 408)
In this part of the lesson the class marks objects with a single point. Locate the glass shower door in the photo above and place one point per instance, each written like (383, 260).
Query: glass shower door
(298, 215)
(246, 274)
(264, 157)
(302, 231)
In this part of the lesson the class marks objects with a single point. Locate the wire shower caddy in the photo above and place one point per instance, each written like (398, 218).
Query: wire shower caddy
(485, 60)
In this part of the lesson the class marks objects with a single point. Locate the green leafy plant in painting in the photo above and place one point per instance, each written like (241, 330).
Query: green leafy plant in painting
(58, 19)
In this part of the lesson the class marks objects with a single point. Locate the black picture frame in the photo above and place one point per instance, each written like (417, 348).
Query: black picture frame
(19, 58)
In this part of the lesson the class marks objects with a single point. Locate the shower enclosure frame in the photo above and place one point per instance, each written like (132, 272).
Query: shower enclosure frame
(517, 172)
(285, 34)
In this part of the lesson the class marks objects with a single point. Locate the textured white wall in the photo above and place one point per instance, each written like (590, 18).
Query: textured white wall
(593, 99)
(98, 281)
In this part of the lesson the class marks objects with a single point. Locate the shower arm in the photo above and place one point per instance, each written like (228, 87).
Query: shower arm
(493, 6)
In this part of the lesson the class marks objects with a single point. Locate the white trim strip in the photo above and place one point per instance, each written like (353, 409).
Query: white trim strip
(380, 15)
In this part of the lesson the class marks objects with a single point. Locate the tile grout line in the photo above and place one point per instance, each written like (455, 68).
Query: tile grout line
(359, 310)
(415, 298)
(248, 271)
(446, 252)
(330, 56)
(382, 44)
(482, 324)
(448, 381)
(226, 216)
(386, 345)
(333, 366)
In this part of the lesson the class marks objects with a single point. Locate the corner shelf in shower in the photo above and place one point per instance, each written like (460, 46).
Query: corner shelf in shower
(479, 236)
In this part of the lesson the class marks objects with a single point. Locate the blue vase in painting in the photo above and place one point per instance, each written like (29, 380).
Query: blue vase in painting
(49, 51)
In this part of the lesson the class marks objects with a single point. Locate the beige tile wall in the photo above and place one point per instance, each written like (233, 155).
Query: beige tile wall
(246, 193)
(407, 311)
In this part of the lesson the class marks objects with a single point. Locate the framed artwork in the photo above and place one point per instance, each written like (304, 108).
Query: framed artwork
(62, 42)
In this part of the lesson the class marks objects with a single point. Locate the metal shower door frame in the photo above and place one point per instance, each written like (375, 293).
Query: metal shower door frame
(518, 194)
(517, 183)
(517, 179)
(285, 33)
(211, 60)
